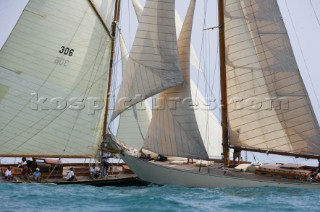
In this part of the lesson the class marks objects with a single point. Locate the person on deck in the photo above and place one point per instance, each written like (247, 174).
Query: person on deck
(23, 162)
(8, 174)
(105, 163)
(236, 155)
(37, 175)
(70, 176)
(26, 171)
(94, 171)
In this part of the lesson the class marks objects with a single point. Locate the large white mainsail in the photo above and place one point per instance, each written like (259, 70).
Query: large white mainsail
(261, 68)
(174, 130)
(134, 122)
(153, 64)
(53, 80)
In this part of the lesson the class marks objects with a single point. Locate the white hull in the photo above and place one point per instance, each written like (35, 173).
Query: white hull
(164, 175)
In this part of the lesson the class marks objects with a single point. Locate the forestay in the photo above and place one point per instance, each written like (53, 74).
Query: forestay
(174, 130)
(153, 65)
(268, 105)
(53, 80)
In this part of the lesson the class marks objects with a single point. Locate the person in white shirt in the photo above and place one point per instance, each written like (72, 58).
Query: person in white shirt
(94, 171)
(8, 174)
(70, 176)
(22, 162)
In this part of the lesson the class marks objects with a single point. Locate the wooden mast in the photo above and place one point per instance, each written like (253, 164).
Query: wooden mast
(113, 35)
(223, 84)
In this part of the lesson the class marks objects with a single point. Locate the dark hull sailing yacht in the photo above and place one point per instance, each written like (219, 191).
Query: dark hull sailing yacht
(257, 61)
(55, 70)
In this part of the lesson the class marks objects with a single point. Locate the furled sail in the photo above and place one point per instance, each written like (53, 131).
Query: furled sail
(268, 105)
(153, 65)
(134, 122)
(174, 130)
(53, 80)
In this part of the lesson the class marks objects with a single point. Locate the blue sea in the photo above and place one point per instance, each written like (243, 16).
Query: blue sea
(41, 197)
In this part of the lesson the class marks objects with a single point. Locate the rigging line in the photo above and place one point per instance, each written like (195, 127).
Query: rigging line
(93, 77)
(304, 59)
(315, 12)
(129, 16)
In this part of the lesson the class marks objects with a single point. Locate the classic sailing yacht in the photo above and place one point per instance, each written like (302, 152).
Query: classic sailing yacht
(55, 70)
(257, 61)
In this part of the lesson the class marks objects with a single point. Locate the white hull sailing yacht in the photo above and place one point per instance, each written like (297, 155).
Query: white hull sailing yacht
(256, 63)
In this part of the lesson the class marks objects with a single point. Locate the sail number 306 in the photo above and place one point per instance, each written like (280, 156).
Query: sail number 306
(66, 51)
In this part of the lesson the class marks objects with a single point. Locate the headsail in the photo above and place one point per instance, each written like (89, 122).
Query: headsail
(153, 64)
(268, 105)
(193, 56)
(174, 130)
(134, 122)
(53, 80)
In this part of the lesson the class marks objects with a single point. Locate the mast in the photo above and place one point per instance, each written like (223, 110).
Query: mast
(113, 35)
(223, 84)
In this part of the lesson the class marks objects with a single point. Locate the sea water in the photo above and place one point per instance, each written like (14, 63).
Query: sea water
(50, 197)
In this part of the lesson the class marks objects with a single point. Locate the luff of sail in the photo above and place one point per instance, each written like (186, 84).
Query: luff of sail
(60, 52)
(261, 65)
(134, 122)
(174, 130)
(153, 64)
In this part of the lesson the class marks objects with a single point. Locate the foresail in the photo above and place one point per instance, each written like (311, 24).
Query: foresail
(210, 126)
(193, 56)
(134, 122)
(174, 130)
(153, 64)
(53, 81)
(268, 105)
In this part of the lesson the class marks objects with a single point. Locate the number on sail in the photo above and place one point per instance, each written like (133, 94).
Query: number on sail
(66, 51)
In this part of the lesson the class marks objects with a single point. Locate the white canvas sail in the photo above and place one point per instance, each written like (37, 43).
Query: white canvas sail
(153, 64)
(261, 68)
(134, 122)
(53, 80)
(193, 56)
(105, 9)
(174, 130)
(211, 130)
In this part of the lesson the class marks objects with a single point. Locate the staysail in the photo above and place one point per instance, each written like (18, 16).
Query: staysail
(174, 130)
(53, 80)
(134, 122)
(153, 65)
(268, 105)
(193, 56)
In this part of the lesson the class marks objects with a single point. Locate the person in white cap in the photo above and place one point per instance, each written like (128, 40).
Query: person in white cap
(37, 175)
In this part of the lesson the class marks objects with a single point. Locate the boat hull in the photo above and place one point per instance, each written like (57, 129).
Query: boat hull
(164, 175)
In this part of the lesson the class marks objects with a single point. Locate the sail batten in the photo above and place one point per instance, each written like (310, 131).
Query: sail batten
(268, 103)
